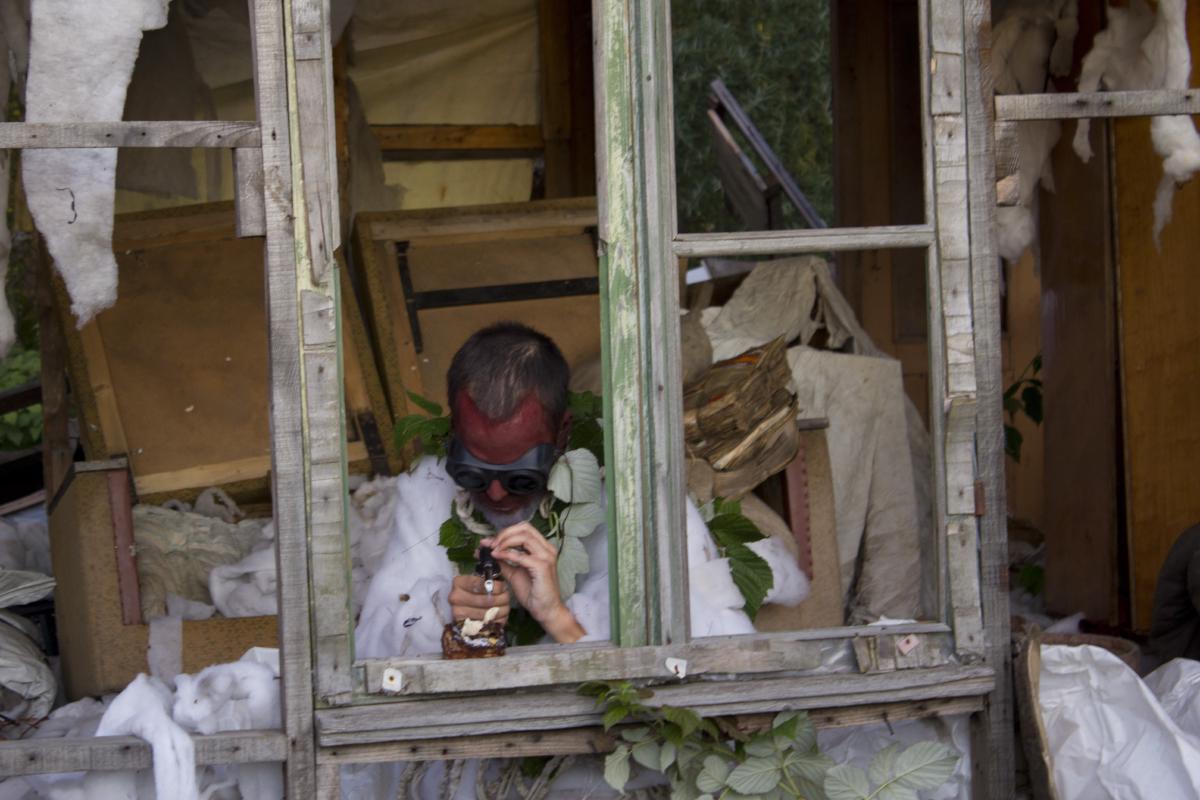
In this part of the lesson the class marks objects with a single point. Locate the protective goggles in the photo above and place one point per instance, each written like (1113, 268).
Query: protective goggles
(527, 475)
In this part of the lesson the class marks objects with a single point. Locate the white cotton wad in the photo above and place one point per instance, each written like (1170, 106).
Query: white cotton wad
(1141, 50)
(247, 588)
(81, 60)
(143, 710)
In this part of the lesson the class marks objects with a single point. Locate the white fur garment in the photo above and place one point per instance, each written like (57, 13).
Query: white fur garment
(406, 604)
(81, 59)
(1143, 50)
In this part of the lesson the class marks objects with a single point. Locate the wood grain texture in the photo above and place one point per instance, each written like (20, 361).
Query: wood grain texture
(248, 201)
(43, 756)
(996, 723)
(557, 709)
(57, 452)
(1077, 315)
(395, 139)
(700, 245)
(198, 133)
(289, 502)
(1081, 105)
(554, 78)
(401, 227)
(1159, 338)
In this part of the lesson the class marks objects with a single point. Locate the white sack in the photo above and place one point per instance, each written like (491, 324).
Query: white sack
(1108, 734)
(81, 59)
(26, 679)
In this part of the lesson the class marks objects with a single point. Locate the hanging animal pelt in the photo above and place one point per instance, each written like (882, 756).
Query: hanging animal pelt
(1141, 49)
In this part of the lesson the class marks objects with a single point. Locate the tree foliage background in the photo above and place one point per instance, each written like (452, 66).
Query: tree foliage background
(774, 55)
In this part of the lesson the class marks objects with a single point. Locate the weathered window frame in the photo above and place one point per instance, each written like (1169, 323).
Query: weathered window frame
(643, 404)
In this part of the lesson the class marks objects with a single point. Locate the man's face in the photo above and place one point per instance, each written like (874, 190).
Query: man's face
(502, 442)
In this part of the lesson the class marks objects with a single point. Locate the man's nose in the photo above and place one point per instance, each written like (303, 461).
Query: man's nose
(495, 491)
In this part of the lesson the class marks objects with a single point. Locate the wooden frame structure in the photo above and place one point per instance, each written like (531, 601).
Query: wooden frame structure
(333, 714)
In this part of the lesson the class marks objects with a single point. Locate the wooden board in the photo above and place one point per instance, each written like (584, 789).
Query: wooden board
(464, 247)
(1159, 342)
(175, 374)
(1078, 315)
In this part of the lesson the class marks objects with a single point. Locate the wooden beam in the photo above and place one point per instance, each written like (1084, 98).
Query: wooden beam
(577, 212)
(563, 707)
(396, 139)
(555, 82)
(48, 135)
(700, 245)
(42, 756)
(288, 488)
(1082, 105)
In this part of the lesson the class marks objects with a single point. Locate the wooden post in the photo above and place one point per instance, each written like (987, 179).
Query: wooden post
(289, 502)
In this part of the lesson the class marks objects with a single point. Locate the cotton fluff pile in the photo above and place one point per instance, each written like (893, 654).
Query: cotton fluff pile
(1143, 50)
(243, 695)
(1031, 40)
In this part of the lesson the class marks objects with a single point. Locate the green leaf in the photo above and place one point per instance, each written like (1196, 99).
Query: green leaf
(614, 715)
(712, 774)
(572, 561)
(752, 575)
(635, 735)
(847, 782)
(810, 766)
(1031, 398)
(581, 519)
(575, 477)
(925, 765)
(883, 764)
(596, 689)
(667, 756)
(755, 776)
(761, 746)
(1012, 443)
(1032, 578)
(786, 723)
(729, 528)
(425, 404)
(687, 720)
(616, 768)
(647, 754)
(459, 542)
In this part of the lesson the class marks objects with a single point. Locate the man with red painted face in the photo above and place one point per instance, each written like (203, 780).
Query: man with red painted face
(507, 391)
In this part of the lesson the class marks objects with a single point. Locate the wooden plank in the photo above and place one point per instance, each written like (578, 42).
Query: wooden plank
(878, 237)
(1159, 335)
(946, 83)
(251, 213)
(287, 446)
(111, 431)
(197, 133)
(569, 213)
(120, 500)
(550, 664)
(555, 83)
(962, 546)
(331, 585)
(996, 723)
(43, 756)
(556, 709)
(619, 302)
(1083, 105)
(593, 740)
(57, 453)
(395, 139)
(1078, 343)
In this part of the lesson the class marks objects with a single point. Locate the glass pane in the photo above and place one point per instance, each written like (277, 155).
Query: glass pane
(796, 114)
(814, 417)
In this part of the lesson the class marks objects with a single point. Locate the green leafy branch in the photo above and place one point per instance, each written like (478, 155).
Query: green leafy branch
(427, 432)
(1024, 396)
(732, 531)
(21, 428)
(713, 759)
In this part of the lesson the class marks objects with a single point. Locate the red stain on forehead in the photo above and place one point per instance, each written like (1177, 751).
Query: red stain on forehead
(505, 440)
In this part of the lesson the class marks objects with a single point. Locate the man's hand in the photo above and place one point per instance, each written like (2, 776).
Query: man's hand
(469, 600)
(529, 564)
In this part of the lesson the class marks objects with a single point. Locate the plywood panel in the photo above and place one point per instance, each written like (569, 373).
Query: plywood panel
(1160, 340)
(1078, 310)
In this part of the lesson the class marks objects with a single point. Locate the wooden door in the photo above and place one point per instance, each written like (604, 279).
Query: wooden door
(1159, 333)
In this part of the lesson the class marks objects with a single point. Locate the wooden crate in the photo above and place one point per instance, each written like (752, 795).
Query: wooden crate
(172, 387)
(449, 252)
(90, 544)
(174, 376)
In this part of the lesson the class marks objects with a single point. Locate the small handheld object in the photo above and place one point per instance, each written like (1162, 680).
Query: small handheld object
(487, 568)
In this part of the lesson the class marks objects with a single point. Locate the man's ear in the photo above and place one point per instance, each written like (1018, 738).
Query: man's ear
(564, 431)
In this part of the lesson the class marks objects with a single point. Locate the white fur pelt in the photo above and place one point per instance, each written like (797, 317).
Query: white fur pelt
(1031, 40)
(81, 60)
(1143, 50)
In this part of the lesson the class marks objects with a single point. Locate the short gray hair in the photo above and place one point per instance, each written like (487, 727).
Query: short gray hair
(500, 364)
